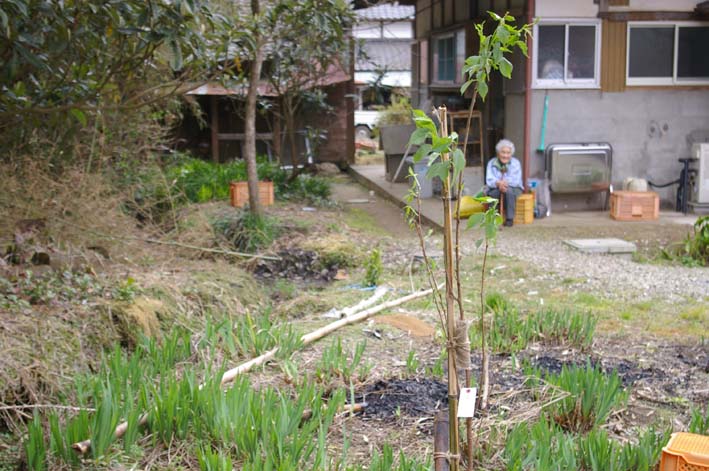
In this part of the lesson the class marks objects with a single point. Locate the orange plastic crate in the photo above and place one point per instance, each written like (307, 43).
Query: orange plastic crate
(685, 452)
(239, 193)
(635, 206)
(524, 210)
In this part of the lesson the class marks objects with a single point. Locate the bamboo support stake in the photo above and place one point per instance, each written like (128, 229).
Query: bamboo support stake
(229, 376)
(440, 442)
(450, 303)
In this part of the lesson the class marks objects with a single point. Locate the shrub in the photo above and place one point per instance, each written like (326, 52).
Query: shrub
(399, 112)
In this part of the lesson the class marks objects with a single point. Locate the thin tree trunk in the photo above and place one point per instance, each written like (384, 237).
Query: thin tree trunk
(290, 124)
(250, 118)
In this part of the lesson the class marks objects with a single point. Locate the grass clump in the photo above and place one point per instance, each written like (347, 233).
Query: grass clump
(337, 363)
(511, 332)
(545, 446)
(244, 231)
(592, 396)
(694, 251)
(699, 421)
(385, 462)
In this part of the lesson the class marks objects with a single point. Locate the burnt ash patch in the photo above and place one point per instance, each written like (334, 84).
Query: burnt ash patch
(411, 397)
(297, 265)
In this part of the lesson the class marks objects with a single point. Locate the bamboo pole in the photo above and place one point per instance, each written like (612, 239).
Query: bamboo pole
(450, 304)
(440, 442)
(229, 376)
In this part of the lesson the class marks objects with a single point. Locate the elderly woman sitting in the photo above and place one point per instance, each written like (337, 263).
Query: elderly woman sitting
(504, 178)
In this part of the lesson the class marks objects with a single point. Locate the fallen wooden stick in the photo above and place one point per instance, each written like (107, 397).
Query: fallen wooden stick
(348, 311)
(322, 332)
(229, 376)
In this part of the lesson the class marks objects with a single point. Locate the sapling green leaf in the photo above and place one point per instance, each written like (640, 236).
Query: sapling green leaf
(439, 169)
(419, 136)
(422, 151)
(458, 163)
(475, 220)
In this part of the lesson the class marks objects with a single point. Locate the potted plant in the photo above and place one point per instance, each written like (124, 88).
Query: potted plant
(395, 127)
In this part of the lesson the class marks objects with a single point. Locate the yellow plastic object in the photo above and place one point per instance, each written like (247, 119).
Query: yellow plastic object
(468, 206)
(685, 452)
(524, 212)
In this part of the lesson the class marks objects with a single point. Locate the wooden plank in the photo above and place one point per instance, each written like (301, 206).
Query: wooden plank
(613, 46)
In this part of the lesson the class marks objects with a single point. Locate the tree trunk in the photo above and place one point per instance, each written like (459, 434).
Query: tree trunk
(290, 124)
(250, 116)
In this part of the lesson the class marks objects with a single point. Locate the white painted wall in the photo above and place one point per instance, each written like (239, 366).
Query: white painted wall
(390, 79)
(586, 8)
(367, 29)
(566, 9)
(399, 30)
(662, 5)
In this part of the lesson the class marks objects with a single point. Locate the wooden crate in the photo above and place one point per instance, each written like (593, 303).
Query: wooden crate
(239, 193)
(524, 211)
(635, 206)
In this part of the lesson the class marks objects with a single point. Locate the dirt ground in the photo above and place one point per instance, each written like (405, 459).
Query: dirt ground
(659, 348)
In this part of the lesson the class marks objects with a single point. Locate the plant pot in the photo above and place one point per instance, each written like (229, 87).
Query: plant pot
(395, 138)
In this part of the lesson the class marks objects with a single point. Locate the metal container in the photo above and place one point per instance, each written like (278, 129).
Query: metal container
(579, 168)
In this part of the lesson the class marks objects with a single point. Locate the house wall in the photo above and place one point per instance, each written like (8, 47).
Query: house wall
(565, 8)
(367, 30)
(660, 5)
(399, 29)
(386, 29)
(339, 146)
(633, 122)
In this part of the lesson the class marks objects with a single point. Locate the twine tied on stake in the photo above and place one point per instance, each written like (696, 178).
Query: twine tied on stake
(461, 345)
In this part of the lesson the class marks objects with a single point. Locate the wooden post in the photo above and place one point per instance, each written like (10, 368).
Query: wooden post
(450, 302)
(440, 442)
(214, 127)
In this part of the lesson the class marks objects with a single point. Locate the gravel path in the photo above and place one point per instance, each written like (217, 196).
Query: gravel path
(609, 274)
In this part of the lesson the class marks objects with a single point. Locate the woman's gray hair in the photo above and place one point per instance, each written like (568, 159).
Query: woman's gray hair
(505, 143)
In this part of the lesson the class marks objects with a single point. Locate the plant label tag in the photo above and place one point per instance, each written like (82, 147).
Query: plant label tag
(466, 404)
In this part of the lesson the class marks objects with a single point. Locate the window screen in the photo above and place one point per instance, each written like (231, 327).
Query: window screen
(693, 56)
(582, 52)
(651, 52)
(446, 59)
(551, 52)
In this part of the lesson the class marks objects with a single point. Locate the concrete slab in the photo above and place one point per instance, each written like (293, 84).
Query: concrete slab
(372, 177)
(602, 246)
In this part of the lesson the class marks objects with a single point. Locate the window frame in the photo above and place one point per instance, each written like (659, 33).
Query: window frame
(567, 83)
(672, 81)
(433, 54)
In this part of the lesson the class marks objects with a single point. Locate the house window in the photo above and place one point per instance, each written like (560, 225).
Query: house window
(567, 54)
(667, 53)
(448, 57)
